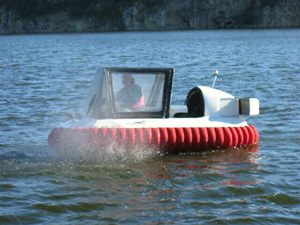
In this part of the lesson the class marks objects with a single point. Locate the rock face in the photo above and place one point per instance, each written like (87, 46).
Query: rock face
(48, 16)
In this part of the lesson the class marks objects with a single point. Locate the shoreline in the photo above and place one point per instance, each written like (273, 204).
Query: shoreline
(151, 31)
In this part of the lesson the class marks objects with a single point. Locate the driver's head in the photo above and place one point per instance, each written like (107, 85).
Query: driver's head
(128, 79)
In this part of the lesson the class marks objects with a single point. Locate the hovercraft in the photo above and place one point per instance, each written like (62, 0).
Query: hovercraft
(131, 107)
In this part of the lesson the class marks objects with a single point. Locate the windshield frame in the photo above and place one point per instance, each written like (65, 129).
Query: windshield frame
(166, 95)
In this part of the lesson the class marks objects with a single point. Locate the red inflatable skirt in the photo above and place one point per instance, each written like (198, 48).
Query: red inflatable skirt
(169, 139)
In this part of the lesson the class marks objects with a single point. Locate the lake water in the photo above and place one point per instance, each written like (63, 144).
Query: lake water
(43, 75)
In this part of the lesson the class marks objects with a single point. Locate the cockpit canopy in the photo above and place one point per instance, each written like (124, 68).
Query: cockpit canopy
(131, 93)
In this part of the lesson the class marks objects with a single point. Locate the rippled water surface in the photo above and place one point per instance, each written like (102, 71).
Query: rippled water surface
(44, 75)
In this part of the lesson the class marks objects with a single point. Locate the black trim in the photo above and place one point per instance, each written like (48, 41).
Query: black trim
(167, 91)
(195, 103)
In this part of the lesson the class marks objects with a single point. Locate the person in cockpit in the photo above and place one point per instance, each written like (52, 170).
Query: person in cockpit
(131, 95)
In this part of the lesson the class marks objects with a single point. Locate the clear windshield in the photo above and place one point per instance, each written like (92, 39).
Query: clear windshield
(131, 93)
(137, 91)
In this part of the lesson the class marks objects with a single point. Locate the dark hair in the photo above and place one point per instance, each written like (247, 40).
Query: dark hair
(128, 76)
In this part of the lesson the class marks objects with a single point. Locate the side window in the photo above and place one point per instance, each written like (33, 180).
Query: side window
(98, 106)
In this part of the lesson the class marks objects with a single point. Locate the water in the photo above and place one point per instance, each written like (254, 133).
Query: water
(43, 75)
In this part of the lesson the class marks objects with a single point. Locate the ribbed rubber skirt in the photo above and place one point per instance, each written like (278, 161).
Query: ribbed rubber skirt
(169, 139)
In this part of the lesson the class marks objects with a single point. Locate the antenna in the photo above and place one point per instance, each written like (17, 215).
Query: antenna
(216, 75)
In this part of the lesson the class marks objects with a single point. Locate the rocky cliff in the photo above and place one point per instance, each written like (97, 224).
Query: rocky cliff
(48, 16)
